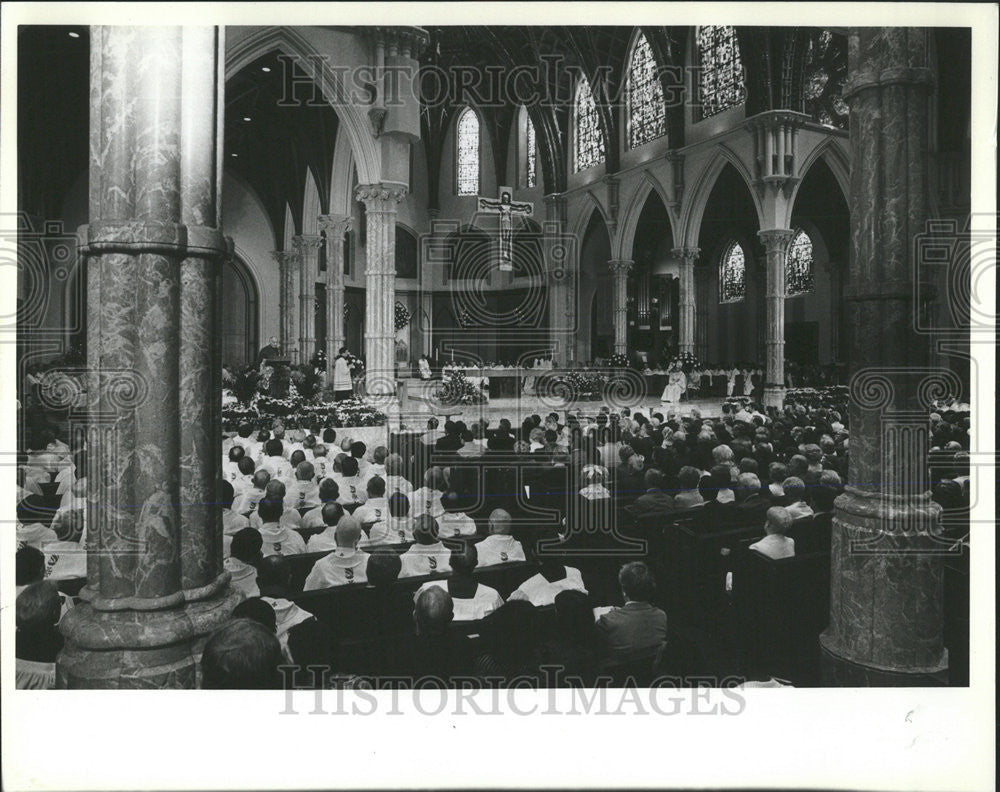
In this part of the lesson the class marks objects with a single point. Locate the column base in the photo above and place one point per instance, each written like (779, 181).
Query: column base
(139, 650)
(839, 671)
(774, 395)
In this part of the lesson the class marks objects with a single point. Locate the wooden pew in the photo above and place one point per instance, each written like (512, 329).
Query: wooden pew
(783, 605)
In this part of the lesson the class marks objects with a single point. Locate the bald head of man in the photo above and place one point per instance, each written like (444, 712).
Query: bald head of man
(348, 532)
(275, 490)
(778, 521)
(433, 611)
(500, 522)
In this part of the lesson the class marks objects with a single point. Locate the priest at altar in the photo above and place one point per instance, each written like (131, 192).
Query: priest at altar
(270, 351)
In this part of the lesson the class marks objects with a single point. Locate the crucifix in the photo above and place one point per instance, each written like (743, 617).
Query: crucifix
(506, 208)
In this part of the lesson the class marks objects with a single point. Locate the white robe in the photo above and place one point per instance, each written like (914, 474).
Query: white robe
(676, 385)
(484, 602)
(339, 568)
(342, 375)
(499, 549)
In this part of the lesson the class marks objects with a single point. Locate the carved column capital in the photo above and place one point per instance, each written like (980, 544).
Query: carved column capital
(382, 197)
(620, 267)
(775, 239)
(686, 255)
(335, 226)
(304, 243)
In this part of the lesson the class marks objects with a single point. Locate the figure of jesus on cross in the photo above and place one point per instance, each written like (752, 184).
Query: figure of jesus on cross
(506, 208)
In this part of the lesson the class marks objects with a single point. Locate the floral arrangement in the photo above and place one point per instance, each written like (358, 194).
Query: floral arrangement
(686, 360)
(402, 317)
(459, 389)
(835, 395)
(618, 360)
(297, 413)
(582, 384)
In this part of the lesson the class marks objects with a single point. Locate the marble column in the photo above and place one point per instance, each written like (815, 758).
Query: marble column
(335, 226)
(620, 269)
(287, 261)
(886, 596)
(307, 247)
(776, 242)
(686, 258)
(560, 251)
(154, 252)
(381, 202)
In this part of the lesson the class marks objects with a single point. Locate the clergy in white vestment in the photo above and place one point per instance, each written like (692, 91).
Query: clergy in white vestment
(278, 539)
(373, 514)
(275, 491)
(303, 493)
(455, 522)
(472, 600)
(232, 522)
(345, 564)
(241, 564)
(499, 547)
(428, 554)
(675, 387)
(329, 492)
(427, 499)
(343, 385)
(394, 480)
(399, 524)
(352, 486)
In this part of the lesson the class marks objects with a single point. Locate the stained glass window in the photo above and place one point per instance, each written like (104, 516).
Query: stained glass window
(647, 118)
(799, 265)
(589, 150)
(530, 176)
(468, 153)
(824, 78)
(720, 85)
(733, 275)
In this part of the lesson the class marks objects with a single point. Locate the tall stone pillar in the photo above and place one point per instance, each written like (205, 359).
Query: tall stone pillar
(154, 253)
(620, 269)
(561, 268)
(776, 242)
(886, 597)
(686, 258)
(307, 247)
(335, 226)
(381, 202)
(288, 261)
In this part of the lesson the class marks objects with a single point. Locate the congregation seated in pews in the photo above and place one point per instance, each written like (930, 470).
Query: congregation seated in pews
(467, 553)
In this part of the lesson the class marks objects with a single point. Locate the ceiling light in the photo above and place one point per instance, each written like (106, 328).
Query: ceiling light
(246, 118)
(265, 68)
(74, 34)
(234, 155)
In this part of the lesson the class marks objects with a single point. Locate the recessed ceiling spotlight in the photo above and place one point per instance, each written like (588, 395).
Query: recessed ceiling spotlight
(74, 34)
(234, 155)
(247, 118)
(265, 68)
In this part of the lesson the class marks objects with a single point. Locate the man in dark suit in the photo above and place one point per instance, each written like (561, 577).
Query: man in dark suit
(655, 500)
(436, 652)
(751, 505)
(638, 626)
(502, 439)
